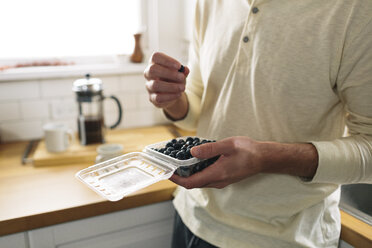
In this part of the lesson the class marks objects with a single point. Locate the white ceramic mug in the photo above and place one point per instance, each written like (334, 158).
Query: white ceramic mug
(58, 137)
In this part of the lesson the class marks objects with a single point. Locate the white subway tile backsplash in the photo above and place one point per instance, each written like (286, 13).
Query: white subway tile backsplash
(70, 123)
(143, 118)
(57, 87)
(159, 117)
(26, 106)
(64, 109)
(109, 106)
(110, 85)
(19, 90)
(9, 111)
(111, 118)
(132, 83)
(144, 102)
(129, 101)
(21, 130)
(131, 119)
(31, 109)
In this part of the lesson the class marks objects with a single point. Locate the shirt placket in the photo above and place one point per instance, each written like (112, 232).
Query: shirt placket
(247, 36)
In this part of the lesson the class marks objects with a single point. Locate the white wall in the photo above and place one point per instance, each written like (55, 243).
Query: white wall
(26, 105)
(169, 24)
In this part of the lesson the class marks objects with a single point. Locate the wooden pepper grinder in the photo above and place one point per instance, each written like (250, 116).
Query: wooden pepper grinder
(137, 54)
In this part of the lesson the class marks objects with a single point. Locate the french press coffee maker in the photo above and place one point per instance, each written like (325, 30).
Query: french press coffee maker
(89, 96)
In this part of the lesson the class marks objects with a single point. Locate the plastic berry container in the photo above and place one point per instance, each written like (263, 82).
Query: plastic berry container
(118, 177)
(184, 168)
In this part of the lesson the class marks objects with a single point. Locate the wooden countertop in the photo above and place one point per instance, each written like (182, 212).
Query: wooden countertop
(355, 232)
(33, 197)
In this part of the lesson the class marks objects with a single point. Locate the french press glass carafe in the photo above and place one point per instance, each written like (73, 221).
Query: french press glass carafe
(89, 95)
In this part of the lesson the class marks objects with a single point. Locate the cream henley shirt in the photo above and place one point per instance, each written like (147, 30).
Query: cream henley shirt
(285, 71)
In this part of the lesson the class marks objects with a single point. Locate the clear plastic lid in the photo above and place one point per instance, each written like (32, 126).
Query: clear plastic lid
(120, 176)
(116, 178)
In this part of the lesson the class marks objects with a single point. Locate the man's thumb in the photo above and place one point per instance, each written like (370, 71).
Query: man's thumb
(208, 150)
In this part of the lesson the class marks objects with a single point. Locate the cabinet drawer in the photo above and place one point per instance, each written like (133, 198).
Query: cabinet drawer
(145, 226)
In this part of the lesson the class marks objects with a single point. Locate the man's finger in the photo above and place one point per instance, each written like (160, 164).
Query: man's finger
(187, 71)
(208, 176)
(217, 185)
(164, 97)
(165, 60)
(196, 180)
(156, 71)
(209, 150)
(158, 86)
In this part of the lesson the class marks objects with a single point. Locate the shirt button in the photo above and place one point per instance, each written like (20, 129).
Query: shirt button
(245, 39)
(255, 10)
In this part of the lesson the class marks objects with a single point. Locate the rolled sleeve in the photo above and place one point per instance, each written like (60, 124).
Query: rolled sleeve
(349, 160)
(344, 161)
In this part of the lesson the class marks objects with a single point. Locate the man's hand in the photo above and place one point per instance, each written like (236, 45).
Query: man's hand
(241, 157)
(166, 84)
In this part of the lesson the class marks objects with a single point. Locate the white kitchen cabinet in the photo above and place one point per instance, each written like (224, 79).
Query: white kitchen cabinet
(147, 226)
(142, 227)
(18, 240)
(343, 244)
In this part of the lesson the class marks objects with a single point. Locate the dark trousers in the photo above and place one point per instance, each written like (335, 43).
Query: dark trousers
(184, 238)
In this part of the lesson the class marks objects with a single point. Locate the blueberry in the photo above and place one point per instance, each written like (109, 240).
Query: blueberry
(169, 144)
(174, 141)
(212, 160)
(184, 171)
(196, 139)
(189, 139)
(162, 150)
(173, 154)
(182, 69)
(180, 155)
(204, 165)
(166, 152)
(188, 153)
(177, 146)
(195, 169)
(170, 149)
